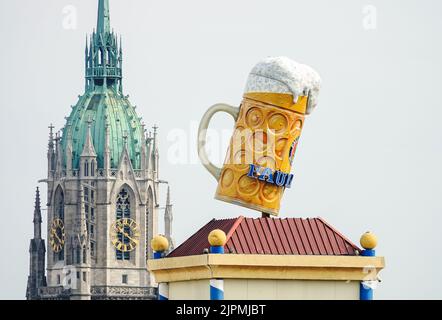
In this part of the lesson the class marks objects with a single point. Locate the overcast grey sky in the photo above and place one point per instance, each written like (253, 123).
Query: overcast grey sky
(370, 155)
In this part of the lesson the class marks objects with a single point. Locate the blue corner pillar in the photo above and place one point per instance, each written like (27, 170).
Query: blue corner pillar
(366, 287)
(160, 245)
(217, 239)
(216, 289)
(368, 241)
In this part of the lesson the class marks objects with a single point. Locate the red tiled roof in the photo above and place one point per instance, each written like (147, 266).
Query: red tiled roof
(291, 236)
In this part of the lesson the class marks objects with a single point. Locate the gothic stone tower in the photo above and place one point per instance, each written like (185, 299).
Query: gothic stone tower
(37, 251)
(103, 182)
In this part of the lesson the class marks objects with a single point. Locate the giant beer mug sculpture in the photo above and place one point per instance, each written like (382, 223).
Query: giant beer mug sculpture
(257, 168)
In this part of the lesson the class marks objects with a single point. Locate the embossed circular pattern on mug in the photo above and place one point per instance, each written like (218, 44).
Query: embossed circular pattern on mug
(247, 186)
(270, 192)
(227, 178)
(239, 138)
(277, 122)
(240, 160)
(280, 147)
(266, 162)
(258, 141)
(254, 117)
(297, 125)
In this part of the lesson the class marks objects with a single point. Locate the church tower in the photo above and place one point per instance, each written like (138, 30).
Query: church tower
(103, 189)
(37, 253)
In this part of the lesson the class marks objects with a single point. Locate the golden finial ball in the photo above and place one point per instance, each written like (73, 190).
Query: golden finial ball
(369, 240)
(159, 243)
(217, 237)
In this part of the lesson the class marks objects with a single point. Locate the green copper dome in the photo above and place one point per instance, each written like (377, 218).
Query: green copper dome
(101, 108)
(103, 103)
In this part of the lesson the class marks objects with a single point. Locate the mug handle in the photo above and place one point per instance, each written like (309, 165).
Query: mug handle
(202, 135)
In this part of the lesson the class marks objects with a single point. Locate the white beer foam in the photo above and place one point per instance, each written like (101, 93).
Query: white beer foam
(283, 75)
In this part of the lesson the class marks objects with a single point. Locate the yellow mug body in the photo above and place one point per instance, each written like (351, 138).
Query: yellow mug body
(257, 167)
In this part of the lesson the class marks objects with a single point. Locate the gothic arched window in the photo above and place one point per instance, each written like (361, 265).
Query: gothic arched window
(92, 168)
(78, 255)
(86, 168)
(100, 57)
(59, 204)
(59, 214)
(123, 211)
(109, 57)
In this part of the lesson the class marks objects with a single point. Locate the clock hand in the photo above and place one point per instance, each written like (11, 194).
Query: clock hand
(118, 229)
(129, 237)
(125, 234)
(58, 238)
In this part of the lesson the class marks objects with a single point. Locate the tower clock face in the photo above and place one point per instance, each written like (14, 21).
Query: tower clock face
(125, 234)
(57, 235)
